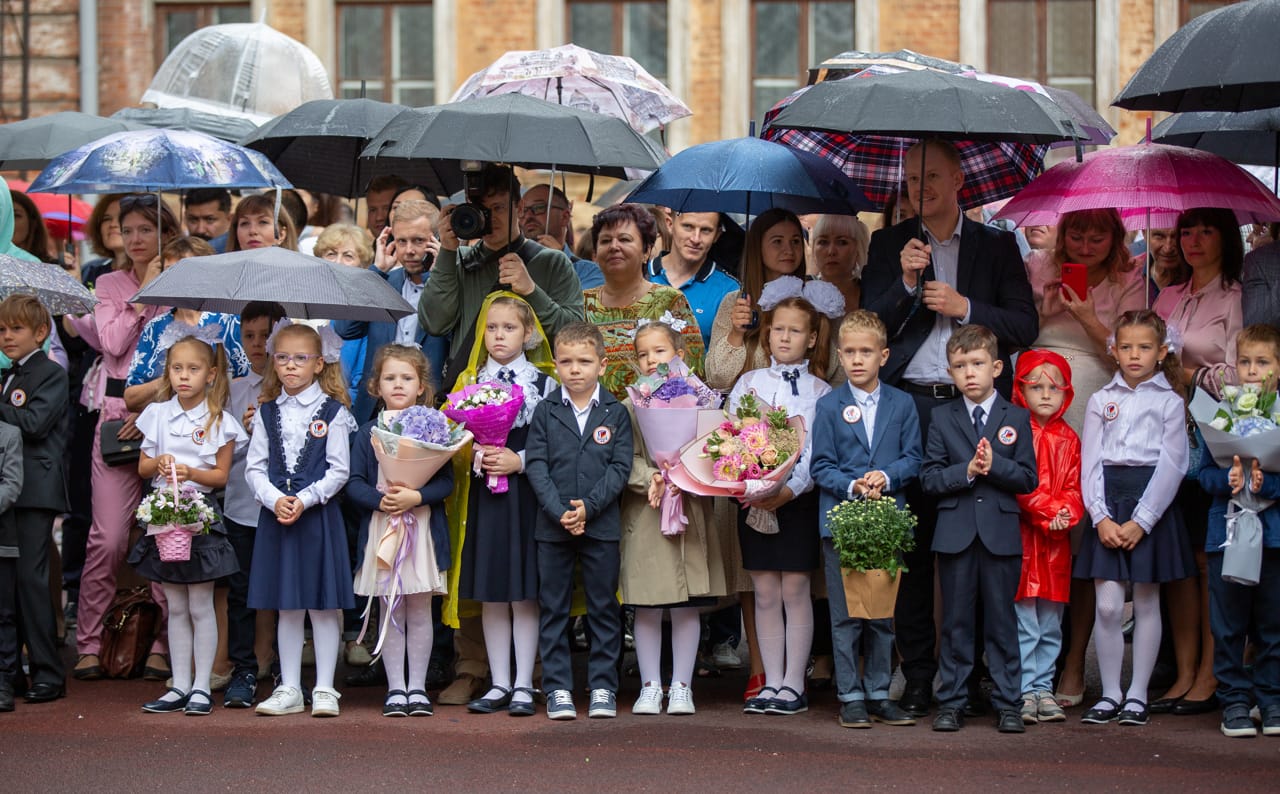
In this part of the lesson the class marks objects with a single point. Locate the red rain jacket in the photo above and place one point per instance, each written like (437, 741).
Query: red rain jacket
(1046, 553)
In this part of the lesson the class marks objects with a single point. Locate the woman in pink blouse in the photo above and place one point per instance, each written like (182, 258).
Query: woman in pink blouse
(113, 330)
(1207, 313)
(1076, 327)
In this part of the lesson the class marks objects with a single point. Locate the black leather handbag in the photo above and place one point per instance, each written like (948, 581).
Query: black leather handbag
(116, 452)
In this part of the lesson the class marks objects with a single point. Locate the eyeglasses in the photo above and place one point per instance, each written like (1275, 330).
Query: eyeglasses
(137, 200)
(301, 359)
(538, 209)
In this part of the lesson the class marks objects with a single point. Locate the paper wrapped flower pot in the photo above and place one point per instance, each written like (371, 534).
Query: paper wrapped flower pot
(870, 594)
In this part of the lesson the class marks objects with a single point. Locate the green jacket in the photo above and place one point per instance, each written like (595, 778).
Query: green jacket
(453, 295)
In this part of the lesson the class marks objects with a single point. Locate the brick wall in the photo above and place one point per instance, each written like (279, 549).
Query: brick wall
(126, 52)
(487, 29)
(703, 94)
(1137, 41)
(53, 47)
(926, 26)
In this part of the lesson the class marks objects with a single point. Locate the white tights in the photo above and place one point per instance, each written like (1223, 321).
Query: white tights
(193, 636)
(1109, 639)
(784, 643)
(508, 625)
(326, 633)
(410, 632)
(686, 630)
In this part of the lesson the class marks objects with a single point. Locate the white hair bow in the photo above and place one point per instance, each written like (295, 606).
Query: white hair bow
(330, 342)
(667, 318)
(211, 335)
(824, 295)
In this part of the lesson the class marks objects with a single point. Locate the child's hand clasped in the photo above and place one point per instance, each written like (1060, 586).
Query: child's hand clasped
(575, 520)
(499, 461)
(1061, 521)
(288, 509)
(398, 499)
(981, 463)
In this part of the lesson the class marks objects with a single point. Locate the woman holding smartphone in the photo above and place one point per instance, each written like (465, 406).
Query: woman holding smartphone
(1089, 254)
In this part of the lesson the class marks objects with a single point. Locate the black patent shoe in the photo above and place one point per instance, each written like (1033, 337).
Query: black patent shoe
(401, 709)
(199, 703)
(522, 708)
(1101, 715)
(1135, 715)
(491, 705)
(161, 706)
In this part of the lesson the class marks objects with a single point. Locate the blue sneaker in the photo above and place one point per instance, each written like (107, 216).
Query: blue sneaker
(242, 692)
(560, 705)
(603, 705)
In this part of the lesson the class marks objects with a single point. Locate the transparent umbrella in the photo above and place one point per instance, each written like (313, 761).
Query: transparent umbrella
(245, 69)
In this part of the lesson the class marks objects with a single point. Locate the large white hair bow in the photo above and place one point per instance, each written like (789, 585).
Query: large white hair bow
(824, 295)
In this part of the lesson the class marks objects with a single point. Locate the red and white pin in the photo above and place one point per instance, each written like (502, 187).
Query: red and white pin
(199, 435)
(852, 413)
(1007, 435)
(602, 435)
(18, 397)
(1110, 411)
(319, 428)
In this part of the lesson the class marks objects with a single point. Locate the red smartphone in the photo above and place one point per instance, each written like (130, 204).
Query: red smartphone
(1076, 278)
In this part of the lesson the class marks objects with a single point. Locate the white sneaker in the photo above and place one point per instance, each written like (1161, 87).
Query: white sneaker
(284, 700)
(324, 702)
(679, 699)
(650, 700)
(725, 657)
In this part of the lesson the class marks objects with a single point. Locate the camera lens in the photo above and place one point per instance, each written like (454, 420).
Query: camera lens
(470, 222)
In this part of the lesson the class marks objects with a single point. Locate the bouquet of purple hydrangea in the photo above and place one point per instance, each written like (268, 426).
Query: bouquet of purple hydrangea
(412, 445)
(420, 423)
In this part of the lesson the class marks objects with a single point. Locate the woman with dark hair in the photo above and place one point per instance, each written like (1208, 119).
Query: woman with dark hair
(113, 329)
(29, 232)
(103, 229)
(1204, 314)
(623, 235)
(255, 224)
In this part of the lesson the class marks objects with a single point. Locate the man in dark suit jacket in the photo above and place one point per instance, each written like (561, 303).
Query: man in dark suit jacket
(578, 460)
(979, 456)
(414, 237)
(962, 273)
(34, 399)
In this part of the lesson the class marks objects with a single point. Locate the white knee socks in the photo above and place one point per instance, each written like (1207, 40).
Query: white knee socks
(1146, 637)
(1107, 636)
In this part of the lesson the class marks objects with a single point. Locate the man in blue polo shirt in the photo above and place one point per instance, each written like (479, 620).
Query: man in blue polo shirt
(688, 268)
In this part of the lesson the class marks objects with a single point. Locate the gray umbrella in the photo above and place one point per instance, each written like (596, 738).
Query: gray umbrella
(228, 128)
(50, 284)
(1252, 137)
(308, 287)
(30, 144)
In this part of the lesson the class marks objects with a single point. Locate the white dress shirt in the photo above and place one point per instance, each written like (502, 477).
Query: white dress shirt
(582, 414)
(168, 429)
(296, 414)
(771, 387)
(868, 403)
(238, 503)
(929, 364)
(1142, 426)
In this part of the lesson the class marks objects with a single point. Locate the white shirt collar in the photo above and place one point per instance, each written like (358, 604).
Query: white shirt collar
(862, 397)
(955, 233)
(775, 367)
(595, 400)
(492, 368)
(196, 415)
(1157, 381)
(986, 404)
(306, 398)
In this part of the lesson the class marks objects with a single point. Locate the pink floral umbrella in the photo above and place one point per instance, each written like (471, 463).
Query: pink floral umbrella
(1149, 183)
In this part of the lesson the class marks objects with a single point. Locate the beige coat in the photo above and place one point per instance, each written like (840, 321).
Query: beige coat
(657, 569)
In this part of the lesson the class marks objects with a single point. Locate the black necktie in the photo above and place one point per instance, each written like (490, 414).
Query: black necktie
(506, 376)
(792, 376)
(977, 420)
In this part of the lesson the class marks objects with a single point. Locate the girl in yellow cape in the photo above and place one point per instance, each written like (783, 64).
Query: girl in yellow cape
(493, 547)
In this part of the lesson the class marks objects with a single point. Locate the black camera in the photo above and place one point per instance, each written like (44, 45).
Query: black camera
(472, 220)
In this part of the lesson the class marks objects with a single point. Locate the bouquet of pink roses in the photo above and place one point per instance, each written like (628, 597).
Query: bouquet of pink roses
(667, 406)
(489, 411)
(753, 449)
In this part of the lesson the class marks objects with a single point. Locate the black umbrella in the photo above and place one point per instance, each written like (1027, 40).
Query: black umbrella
(513, 129)
(318, 144)
(31, 143)
(228, 128)
(1252, 137)
(927, 103)
(1226, 60)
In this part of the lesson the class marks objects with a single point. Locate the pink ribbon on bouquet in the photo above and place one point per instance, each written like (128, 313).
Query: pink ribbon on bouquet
(673, 518)
(402, 531)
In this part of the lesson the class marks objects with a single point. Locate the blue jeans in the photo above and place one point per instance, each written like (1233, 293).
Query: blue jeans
(1236, 612)
(1039, 641)
(871, 682)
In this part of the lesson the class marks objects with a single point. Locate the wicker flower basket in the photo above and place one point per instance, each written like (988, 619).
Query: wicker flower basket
(173, 541)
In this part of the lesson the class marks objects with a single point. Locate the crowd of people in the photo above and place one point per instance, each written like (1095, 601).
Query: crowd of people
(1030, 411)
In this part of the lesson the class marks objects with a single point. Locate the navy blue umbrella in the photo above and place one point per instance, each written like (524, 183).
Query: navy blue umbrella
(750, 175)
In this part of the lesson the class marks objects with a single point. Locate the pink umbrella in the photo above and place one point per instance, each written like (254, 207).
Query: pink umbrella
(1149, 183)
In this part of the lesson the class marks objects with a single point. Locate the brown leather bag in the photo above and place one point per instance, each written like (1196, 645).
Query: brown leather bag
(128, 629)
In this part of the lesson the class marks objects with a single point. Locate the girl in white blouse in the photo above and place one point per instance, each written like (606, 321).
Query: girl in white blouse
(1134, 457)
(779, 533)
(187, 438)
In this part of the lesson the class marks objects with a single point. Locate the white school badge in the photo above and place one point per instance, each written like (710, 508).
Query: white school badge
(18, 398)
(1110, 411)
(198, 435)
(852, 413)
(319, 428)
(602, 435)
(1007, 435)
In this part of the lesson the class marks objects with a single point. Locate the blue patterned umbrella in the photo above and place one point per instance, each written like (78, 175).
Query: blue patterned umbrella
(156, 160)
(50, 284)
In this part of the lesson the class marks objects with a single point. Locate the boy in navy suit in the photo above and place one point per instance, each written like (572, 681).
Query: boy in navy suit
(578, 459)
(10, 488)
(866, 442)
(978, 458)
(34, 399)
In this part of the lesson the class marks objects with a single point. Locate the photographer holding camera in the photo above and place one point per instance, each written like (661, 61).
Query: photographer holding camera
(500, 259)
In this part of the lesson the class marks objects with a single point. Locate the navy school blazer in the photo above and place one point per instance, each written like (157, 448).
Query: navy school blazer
(593, 466)
(841, 453)
(35, 402)
(987, 508)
